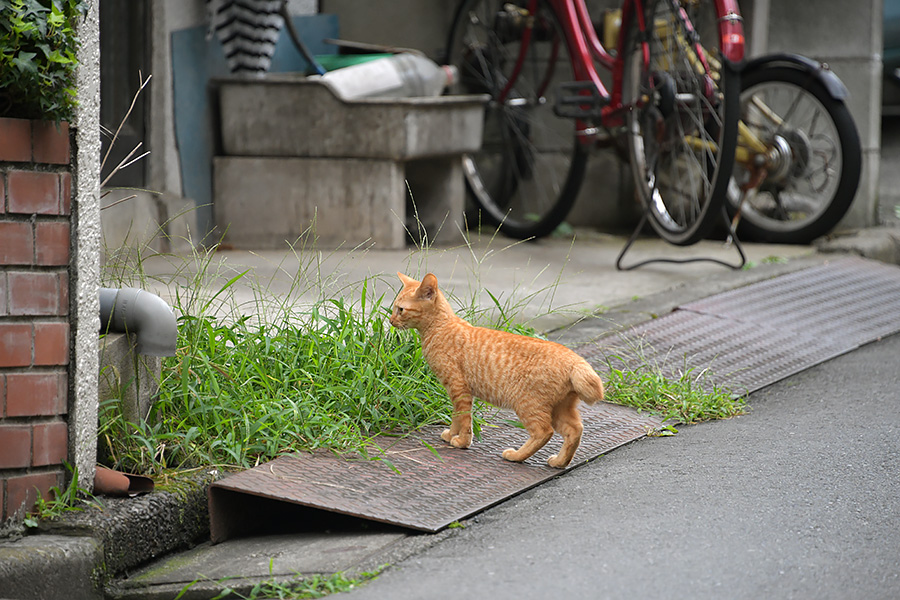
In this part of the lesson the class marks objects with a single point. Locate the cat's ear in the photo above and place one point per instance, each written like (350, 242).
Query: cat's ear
(406, 280)
(428, 287)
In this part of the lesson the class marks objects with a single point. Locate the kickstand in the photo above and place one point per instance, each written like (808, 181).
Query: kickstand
(731, 240)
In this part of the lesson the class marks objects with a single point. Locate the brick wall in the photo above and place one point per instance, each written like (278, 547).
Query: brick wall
(35, 206)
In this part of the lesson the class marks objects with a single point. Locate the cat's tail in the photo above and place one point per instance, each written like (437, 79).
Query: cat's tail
(586, 382)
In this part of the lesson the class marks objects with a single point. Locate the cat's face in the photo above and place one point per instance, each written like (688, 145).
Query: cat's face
(414, 302)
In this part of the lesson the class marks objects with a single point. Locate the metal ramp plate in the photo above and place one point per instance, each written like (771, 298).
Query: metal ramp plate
(433, 485)
(746, 339)
(753, 336)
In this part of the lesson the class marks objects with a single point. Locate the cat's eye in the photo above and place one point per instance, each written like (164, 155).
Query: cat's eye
(399, 310)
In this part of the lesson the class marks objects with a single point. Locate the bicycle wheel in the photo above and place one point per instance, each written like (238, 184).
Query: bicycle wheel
(528, 172)
(682, 130)
(813, 161)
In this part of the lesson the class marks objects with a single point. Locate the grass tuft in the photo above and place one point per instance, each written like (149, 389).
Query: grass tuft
(239, 393)
(689, 396)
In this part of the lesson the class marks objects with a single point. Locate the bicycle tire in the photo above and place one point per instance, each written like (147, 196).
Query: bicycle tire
(815, 188)
(527, 175)
(682, 129)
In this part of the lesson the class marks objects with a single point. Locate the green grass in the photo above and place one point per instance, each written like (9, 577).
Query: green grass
(298, 588)
(317, 366)
(689, 396)
(72, 498)
(239, 393)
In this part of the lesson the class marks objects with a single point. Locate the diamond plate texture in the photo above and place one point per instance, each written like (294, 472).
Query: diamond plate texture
(433, 485)
(753, 336)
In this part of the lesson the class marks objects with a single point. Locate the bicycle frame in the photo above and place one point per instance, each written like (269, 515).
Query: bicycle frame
(587, 51)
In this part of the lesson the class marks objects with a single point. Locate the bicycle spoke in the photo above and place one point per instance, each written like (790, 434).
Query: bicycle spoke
(688, 118)
(528, 170)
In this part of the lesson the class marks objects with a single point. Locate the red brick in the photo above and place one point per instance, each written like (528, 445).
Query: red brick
(51, 142)
(15, 140)
(33, 192)
(15, 344)
(15, 446)
(51, 343)
(66, 198)
(50, 444)
(22, 492)
(3, 294)
(16, 243)
(36, 394)
(36, 293)
(51, 245)
(2, 402)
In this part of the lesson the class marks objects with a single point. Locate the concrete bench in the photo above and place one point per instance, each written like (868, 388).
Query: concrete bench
(361, 171)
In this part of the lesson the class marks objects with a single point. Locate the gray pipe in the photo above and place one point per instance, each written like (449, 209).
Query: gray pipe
(130, 310)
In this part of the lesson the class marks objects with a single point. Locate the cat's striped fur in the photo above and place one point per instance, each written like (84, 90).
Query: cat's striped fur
(540, 380)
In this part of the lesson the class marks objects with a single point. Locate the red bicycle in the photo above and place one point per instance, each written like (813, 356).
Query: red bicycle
(674, 99)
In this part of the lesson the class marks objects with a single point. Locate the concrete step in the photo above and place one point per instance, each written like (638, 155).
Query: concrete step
(80, 551)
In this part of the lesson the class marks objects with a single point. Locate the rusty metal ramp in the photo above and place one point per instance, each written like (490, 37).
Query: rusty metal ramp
(753, 336)
(745, 339)
(430, 486)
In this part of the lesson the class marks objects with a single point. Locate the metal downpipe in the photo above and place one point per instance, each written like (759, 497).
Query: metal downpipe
(130, 310)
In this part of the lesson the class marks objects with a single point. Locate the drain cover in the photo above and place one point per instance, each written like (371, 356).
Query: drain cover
(430, 486)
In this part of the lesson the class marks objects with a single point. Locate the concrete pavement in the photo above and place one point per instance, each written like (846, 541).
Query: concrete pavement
(548, 283)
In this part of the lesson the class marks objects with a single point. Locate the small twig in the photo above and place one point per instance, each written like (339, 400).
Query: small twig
(144, 83)
(124, 164)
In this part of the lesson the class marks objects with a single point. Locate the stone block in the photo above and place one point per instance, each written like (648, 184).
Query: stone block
(302, 163)
(131, 378)
(265, 203)
(286, 115)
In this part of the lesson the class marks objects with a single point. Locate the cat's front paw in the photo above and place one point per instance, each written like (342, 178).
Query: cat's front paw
(446, 435)
(458, 441)
(512, 455)
(556, 462)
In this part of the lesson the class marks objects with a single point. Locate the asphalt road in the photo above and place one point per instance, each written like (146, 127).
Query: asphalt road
(800, 498)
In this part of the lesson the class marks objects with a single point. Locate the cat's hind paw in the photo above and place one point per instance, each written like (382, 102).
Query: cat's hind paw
(446, 436)
(458, 441)
(556, 462)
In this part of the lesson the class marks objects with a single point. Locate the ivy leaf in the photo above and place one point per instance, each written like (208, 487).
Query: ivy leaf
(56, 18)
(58, 58)
(25, 62)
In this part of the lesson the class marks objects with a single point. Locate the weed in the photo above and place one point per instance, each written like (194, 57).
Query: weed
(688, 396)
(241, 393)
(71, 499)
(262, 373)
(769, 260)
(297, 588)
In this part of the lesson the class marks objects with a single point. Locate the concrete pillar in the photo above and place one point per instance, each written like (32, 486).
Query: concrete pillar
(85, 267)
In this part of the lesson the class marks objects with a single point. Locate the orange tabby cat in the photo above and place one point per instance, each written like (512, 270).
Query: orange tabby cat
(542, 381)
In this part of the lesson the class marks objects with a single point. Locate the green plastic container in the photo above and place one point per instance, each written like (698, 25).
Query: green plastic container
(331, 62)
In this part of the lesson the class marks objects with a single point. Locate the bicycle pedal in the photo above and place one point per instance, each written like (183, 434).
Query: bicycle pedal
(579, 100)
